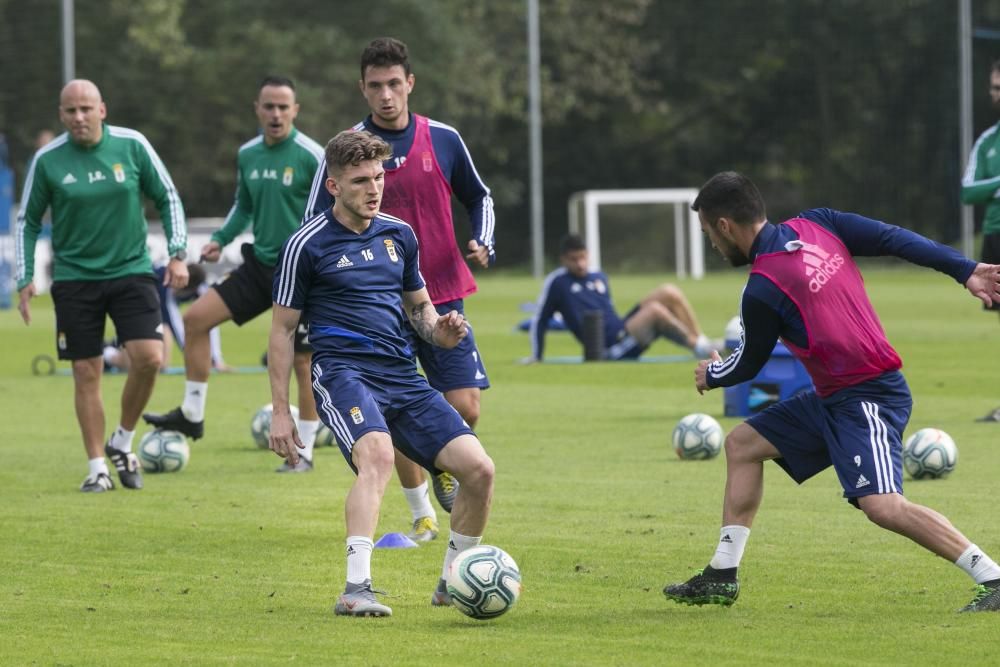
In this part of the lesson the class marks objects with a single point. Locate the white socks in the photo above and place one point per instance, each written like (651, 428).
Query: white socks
(97, 466)
(359, 559)
(978, 565)
(121, 439)
(193, 406)
(456, 545)
(732, 542)
(307, 434)
(420, 502)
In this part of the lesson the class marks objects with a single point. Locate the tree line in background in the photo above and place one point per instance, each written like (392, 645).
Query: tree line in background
(845, 103)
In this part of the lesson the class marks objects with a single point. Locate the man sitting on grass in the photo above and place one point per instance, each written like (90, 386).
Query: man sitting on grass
(573, 291)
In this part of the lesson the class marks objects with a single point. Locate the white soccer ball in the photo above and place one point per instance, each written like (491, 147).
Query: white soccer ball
(929, 453)
(163, 451)
(484, 582)
(260, 425)
(698, 436)
(325, 437)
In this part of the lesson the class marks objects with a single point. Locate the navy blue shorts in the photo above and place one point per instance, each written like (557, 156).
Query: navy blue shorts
(461, 367)
(352, 402)
(625, 347)
(859, 432)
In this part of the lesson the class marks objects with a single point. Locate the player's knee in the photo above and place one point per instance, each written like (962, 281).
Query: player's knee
(883, 510)
(194, 324)
(669, 292)
(373, 455)
(470, 412)
(666, 295)
(466, 403)
(86, 373)
(479, 473)
(147, 360)
(745, 445)
(737, 446)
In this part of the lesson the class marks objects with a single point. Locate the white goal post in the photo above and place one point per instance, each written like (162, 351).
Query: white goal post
(682, 198)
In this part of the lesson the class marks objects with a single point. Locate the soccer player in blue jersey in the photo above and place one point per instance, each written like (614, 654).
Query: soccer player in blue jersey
(429, 162)
(573, 290)
(353, 272)
(805, 288)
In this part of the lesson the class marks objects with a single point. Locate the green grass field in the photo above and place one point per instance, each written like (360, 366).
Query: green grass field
(229, 563)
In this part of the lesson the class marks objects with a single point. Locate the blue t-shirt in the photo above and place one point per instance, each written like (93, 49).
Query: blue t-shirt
(350, 287)
(767, 312)
(564, 293)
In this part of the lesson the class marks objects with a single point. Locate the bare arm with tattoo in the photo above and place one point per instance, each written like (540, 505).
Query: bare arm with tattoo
(441, 330)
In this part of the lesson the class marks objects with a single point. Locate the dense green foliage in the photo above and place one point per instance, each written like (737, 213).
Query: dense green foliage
(228, 563)
(848, 103)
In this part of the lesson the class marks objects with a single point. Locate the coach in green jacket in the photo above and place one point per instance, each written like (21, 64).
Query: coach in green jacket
(91, 177)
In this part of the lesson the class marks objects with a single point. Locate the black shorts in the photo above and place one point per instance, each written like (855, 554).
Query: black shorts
(247, 292)
(991, 255)
(132, 302)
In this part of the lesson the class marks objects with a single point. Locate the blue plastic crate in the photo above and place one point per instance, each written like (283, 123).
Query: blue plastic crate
(782, 376)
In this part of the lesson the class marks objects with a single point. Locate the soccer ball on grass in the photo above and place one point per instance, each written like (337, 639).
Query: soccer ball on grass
(929, 453)
(698, 436)
(164, 451)
(484, 582)
(260, 425)
(325, 437)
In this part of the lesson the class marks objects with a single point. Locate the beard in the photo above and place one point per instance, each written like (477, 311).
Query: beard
(733, 255)
(736, 258)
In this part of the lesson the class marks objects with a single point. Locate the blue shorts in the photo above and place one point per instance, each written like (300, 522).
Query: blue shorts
(458, 368)
(625, 347)
(352, 401)
(858, 431)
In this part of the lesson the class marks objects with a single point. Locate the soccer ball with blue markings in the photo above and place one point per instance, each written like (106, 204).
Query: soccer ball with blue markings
(164, 451)
(260, 425)
(698, 436)
(930, 453)
(484, 582)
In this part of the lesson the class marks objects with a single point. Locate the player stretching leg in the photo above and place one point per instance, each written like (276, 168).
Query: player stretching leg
(805, 287)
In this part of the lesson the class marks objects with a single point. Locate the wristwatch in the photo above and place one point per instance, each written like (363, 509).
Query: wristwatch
(180, 255)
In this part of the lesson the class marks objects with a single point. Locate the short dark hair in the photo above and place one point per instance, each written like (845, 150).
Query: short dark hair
(277, 81)
(571, 243)
(352, 147)
(732, 195)
(385, 52)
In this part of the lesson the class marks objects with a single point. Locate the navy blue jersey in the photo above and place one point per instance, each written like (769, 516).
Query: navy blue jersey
(456, 164)
(767, 312)
(349, 287)
(570, 296)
